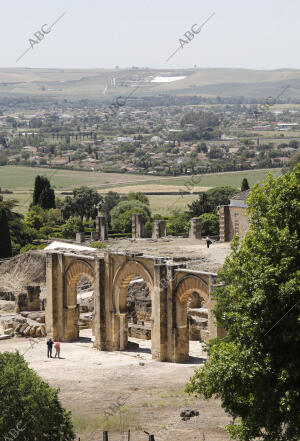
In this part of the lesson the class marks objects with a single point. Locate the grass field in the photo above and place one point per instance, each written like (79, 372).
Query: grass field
(20, 180)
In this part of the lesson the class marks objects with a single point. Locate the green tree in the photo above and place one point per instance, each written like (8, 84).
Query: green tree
(210, 224)
(255, 369)
(199, 206)
(294, 144)
(85, 203)
(29, 407)
(294, 160)
(209, 201)
(220, 196)
(110, 200)
(43, 194)
(178, 223)
(245, 185)
(138, 196)
(72, 226)
(34, 220)
(5, 243)
(121, 215)
(47, 199)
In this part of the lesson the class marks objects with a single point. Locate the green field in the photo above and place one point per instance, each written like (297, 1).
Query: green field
(20, 180)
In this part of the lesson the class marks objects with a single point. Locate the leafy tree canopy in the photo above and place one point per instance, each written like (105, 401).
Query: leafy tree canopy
(110, 200)
(121, 215)
(209, 201)
(178, 223)
(85, 203)
(29, 407)
(255, 369)
(72, 226)
(138, 196)
(210, 224)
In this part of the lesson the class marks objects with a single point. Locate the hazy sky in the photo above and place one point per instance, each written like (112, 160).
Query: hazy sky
(259, 34)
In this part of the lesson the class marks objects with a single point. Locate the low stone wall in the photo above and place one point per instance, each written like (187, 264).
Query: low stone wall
(142, 331)
(29, 300)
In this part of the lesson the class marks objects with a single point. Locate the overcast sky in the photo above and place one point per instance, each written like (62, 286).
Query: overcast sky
(259, 34)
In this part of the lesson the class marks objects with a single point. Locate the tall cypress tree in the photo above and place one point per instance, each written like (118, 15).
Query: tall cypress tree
(5, 243)
(47, 199)
(37, 190)
(245, 185)
(43, 194)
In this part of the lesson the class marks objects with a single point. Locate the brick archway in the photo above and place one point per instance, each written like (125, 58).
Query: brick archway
(188, 286)
(77, 269)
(122, 279)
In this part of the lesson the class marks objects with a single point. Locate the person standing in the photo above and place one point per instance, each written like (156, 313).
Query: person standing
(208, 241)
(57, 349)
(49, 345)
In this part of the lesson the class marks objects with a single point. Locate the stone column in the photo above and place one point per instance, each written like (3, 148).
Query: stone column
(94, 235)
(137, 226)
(123, 331)
(55, 303)
(195, 228)
(80, 237)
(99, 305)
(159, 331)
(179, 343)
(159, 229)
(103, 228)
(224, 217)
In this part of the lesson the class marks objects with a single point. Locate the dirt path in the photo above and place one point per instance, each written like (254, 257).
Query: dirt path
(151, 393)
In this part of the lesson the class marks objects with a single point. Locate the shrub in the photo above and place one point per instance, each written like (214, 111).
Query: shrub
(72, 226)
(29, 407)
(98, 244)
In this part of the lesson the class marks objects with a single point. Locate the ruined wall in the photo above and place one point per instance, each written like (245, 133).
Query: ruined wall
(233, 220)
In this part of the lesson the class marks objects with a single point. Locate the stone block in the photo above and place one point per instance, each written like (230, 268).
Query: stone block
(80, 237)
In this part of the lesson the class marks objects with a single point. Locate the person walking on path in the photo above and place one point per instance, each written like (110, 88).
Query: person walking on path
(57, 349)
(49, 345)
(208, 241)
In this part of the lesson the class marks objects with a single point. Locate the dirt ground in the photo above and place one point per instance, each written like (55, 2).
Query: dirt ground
(150, 393)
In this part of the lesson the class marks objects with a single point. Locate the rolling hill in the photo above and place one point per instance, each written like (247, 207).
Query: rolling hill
(102, 84)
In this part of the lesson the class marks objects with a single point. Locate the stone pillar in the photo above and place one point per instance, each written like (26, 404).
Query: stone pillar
(101, 228)
(55, 291)
(100, 306)
(159, 229)
(80, 237)
(195, 228)
(137, 226)
(224, 218)
(94, 235)
(123, 331)
(159, 331)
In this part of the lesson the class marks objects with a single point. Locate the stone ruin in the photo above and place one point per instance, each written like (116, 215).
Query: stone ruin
(138, 229)
(174, 307)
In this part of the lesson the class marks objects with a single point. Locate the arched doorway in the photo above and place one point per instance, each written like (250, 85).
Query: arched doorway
(75, 273)
(191, 293)
(125, 276)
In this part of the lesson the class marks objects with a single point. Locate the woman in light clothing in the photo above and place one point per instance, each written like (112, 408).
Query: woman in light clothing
(57, 349)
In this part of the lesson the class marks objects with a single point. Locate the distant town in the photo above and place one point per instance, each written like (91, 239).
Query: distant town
(159, 136)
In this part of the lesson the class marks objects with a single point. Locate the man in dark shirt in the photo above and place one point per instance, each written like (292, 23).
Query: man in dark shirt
(49, 345)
